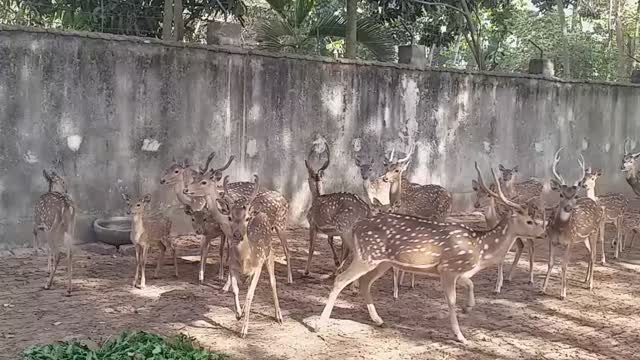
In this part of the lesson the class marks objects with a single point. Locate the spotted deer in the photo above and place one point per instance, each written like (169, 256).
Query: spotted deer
(270, 202)
(574, 219)
(432, 202)
(373, 185)
(453, 252)
(615, 205)
(54, 216)
(493, 213)
(630, 169)
(148, 230)
(331, 214)
(250, 248)
(178, 176)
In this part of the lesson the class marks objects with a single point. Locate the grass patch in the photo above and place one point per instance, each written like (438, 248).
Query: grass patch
(138, 345)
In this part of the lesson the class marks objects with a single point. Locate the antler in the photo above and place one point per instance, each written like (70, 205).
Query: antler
(627, 148)
(206, 165)
(326, 164)
(406, 158)
(256, 189)
(556, 160)
(582, 167)
(226, 166)
(500, 195)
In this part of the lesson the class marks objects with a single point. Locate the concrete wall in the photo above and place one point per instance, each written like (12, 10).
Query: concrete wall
(123, 97)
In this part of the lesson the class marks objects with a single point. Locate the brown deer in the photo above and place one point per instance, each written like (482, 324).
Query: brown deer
(178, 176)
(431, 202)
(493, 213)
(574, 219)
(615, 205)
(270, 202)
(331, 214)
(147, 230)
(250, 248)
(54, 215)
(454, 252)
(630, 169)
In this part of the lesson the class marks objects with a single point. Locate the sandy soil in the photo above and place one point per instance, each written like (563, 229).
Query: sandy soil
(520, 323)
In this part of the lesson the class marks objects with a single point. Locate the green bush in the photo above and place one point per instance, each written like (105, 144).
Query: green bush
(137, 345)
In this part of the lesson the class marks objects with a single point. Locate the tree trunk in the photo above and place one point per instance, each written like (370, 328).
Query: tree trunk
(636, 37)
(166, 19)
(619, 12)
(352, 29)
(566, 60)
(178, 20)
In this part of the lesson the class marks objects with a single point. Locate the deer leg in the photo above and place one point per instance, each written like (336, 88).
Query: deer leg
(500, 279)
(312, 244)
(356, 269)
(587, 243)
(204, 252)
(401, 278)
(233, 280)
(471, 298)
(55, 262)
(336, 259)
(619, 243)
(223, 240)
(565, 264)
(549, 267)
(69, 269)
(516, 259)
(274, 292)
(531, 260)
(449, 287)
(413, 280)
(603, 259)
(138, 262)
(633, 238)
(395, 283)
(365, 290)
(285, 248)
(143, 266)
(35, 242)
(250, 293)
(163, 249)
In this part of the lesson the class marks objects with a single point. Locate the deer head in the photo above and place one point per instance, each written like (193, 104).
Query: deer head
(508, 175)
(177, 172)
(54, 181)
(590, 178)
(315, 176)
(629, 158)
(199, 219)
(377, 207)
(366, 168)
(216, 173)
(566, 192)
(482, 198)
(395, 169)
(136, 207)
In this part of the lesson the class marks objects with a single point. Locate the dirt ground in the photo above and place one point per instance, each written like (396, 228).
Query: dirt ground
(520, 323)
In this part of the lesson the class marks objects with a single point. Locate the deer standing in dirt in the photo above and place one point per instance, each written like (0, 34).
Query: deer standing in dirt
(148, 230)
(431, 202)
(574, 220)
(270, 202)
(250, 248)
(331, 214)
(54, 216)
(630, 169)
(615, 205)
(451, 251)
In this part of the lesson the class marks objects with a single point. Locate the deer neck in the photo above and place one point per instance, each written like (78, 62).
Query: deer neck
(137, 226)
(366, 185)
(491, 214)
(495, 243)
(395, 190)
(221, 219)
(316, 189)
(591, 193)
(178, 188)
(632, 179)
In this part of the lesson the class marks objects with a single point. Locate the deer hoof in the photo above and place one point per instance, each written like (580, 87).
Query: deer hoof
(47, 287)
(67, 294)
(467, 309)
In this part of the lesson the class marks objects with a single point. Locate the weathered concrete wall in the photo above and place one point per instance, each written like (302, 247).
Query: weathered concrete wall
(119, 94)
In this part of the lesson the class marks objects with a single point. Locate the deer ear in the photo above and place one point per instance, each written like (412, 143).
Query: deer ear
(396, 204)
(376, 202)
(599, 172)
(515, 168)
(46, 175)
(555, 185)
(146, 198)
(126, 197)
(358, 163)
(188, 210)
(501, 168)
(474, 185)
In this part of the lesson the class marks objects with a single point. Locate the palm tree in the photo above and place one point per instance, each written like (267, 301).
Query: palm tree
(295, 29)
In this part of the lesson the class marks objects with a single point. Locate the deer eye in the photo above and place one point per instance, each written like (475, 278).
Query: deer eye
(397, 170)
(529, 222)
(177, 171)
(137, 205)
(203, 182)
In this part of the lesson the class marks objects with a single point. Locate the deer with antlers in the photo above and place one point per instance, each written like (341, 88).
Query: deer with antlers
(148, 230)
(493, 213)
(270, 202)
(574, 219)
(431, 202)
(374, 187)
(177, 177)
(630, 169)
(615, 205)
(54, 216)
(451, 251)
(331, 214)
